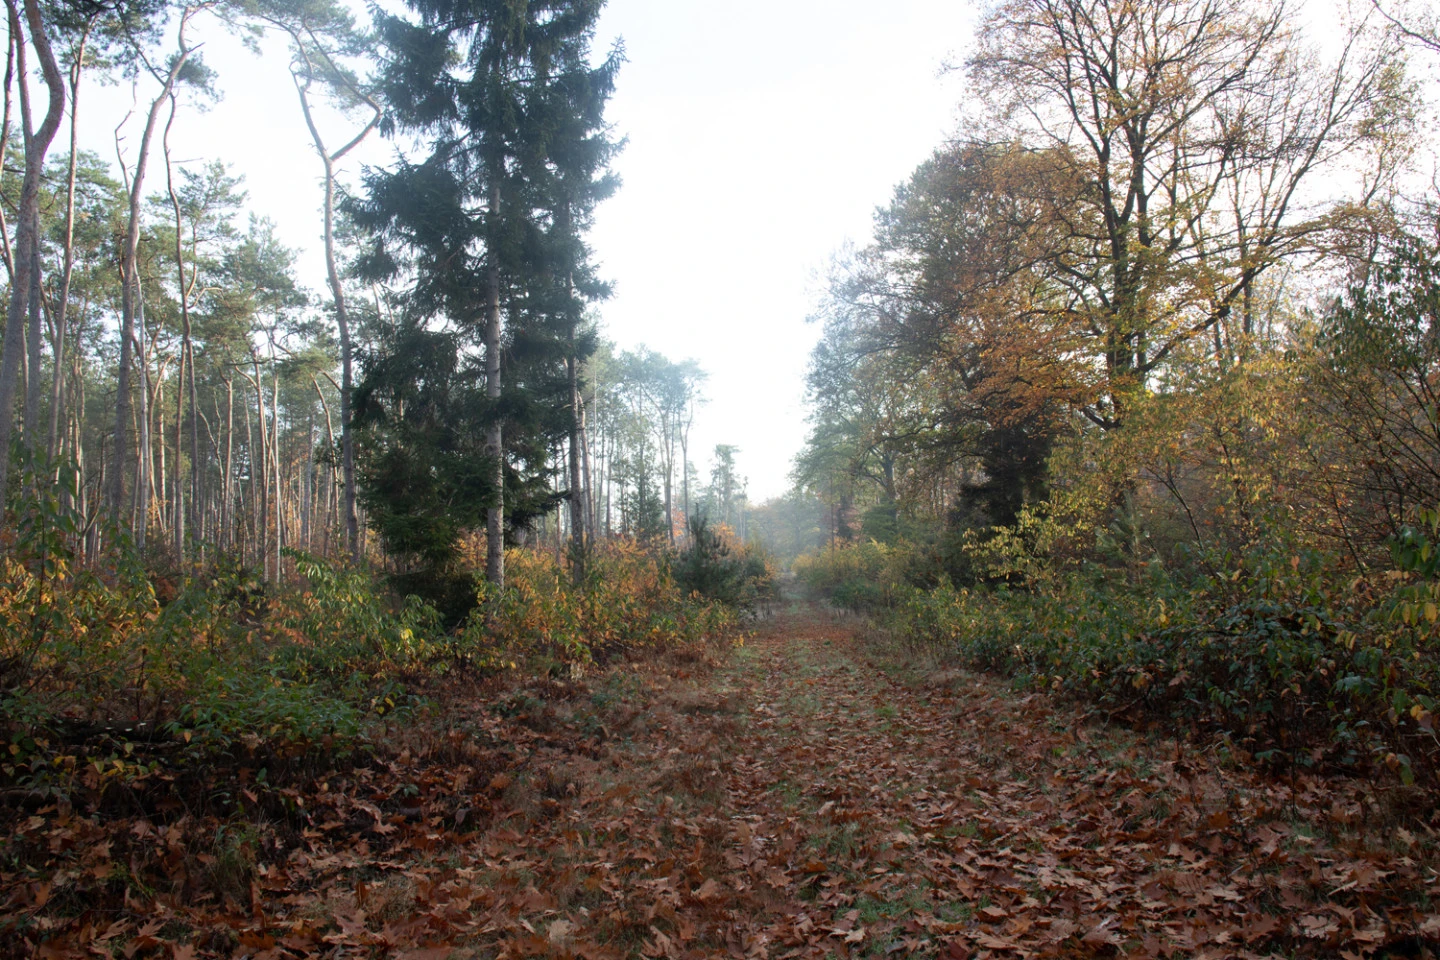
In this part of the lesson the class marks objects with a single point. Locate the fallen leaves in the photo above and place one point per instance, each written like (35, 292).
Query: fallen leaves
(970, 823)
(798, 804)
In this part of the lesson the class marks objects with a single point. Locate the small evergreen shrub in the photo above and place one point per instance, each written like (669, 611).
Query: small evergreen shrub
(716, 570)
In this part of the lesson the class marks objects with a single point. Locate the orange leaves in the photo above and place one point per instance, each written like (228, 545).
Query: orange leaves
(709, 890)
(976, 824)
(848, 928)
(963, 822)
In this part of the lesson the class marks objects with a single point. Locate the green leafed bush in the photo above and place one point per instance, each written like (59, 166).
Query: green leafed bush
(628, 602)
(1274, 654)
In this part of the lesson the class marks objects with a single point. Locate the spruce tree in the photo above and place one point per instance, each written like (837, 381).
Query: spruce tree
(488, 226)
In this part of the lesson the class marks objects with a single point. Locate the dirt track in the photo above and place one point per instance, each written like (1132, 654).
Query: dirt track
(876, 809)
(805, 795)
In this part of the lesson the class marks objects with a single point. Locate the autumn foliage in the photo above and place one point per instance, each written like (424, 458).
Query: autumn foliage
(1223, 566)
(1165, 442)
(170, 735)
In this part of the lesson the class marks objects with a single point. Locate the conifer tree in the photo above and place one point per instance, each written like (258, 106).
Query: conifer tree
(25, 256)
(488, 225)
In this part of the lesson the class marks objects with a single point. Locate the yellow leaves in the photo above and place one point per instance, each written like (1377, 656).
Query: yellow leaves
(1410, 614)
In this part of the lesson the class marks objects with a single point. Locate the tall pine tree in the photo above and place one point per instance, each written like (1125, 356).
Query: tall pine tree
(488, 226)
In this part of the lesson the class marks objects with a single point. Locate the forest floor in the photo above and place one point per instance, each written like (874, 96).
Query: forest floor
(807, 794)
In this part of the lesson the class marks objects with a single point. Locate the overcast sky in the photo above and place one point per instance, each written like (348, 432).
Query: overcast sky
(761, 135)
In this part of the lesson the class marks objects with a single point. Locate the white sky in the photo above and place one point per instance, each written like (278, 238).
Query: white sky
(762, 135)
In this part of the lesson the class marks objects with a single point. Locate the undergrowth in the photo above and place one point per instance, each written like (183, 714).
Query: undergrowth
(105, 680)
(1295, 664)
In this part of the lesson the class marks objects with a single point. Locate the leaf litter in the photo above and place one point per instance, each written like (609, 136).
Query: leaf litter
(801, 796)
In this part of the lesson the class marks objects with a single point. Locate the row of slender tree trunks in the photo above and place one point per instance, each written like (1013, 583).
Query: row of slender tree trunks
(193, 458)
(167, 467)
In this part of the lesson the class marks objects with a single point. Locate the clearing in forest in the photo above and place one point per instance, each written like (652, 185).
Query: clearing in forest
(803, 795)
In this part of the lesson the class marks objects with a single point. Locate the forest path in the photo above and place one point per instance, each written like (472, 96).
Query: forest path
(877, 808)
(814, 792)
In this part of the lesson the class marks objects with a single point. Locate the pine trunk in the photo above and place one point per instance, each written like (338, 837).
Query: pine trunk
(24, 260)
(494, 436)
(130, 275)
(62, 303)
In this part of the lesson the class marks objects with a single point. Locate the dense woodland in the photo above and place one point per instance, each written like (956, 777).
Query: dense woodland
(199, 434)
(1130, 401)
(181, 388)
(1132, 394)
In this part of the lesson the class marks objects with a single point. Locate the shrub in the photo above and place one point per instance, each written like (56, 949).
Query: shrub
(866, 576)
(223, 666)
(1271, 653)
(629, 601)
(341, 624)
(95, 666)
(718, 570)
